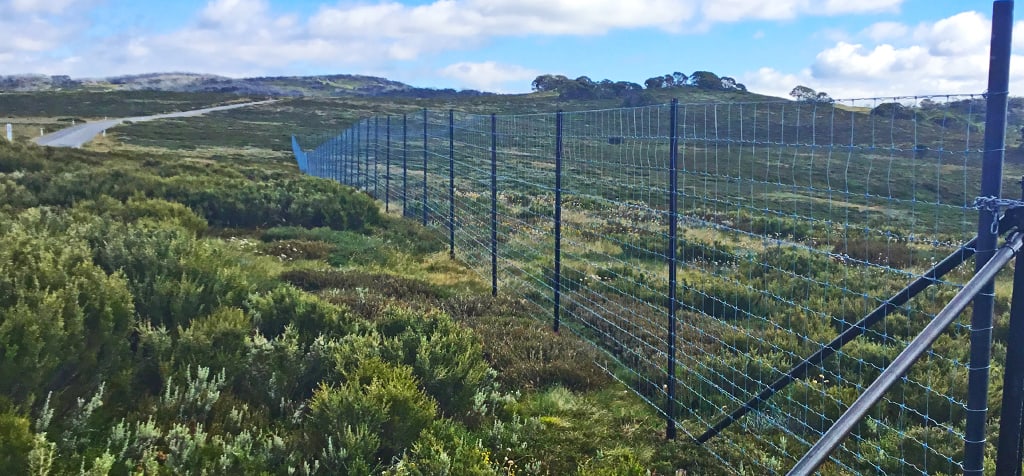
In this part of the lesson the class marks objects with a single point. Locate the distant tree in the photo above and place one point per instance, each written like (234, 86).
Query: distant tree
(803, 93)
(657, 82)
(705, 80)
(680, 78)
(670, 81)
(549, 82)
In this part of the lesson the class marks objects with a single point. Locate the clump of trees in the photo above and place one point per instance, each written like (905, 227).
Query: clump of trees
(584, 88)
(804, 93)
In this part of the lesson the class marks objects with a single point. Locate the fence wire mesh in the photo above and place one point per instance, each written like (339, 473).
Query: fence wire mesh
(795, 220)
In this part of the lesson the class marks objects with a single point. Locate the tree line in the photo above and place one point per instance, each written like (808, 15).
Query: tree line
(584, 88)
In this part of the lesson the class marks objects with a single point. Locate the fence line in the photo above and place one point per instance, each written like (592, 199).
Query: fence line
(709, 249)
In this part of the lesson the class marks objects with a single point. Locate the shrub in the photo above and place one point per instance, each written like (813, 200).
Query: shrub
(63, 321)
(311, 316)
(375, 415)
(445, 448)
(446, 357)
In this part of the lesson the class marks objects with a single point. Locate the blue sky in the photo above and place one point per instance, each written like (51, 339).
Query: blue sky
(848, 48)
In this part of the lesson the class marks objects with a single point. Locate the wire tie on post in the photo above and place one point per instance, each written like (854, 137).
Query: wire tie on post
(993, 204)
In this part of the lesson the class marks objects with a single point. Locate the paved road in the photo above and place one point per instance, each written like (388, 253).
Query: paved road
(78, 135)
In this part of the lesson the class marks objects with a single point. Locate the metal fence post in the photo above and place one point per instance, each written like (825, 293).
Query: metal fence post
(405, 165)
(387, 166)
(1008, 456)
(424, 166)
(673, 243)
(451, 183)
(357, 146)
(991, 186)
(376, 147)
(556, 282)
(494, 205)
(366, 156)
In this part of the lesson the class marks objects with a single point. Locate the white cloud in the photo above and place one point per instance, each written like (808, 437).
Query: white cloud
(488, 75)
(949, 55)
(886, 30)
(253, 37)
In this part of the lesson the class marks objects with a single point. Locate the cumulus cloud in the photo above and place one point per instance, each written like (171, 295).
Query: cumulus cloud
(892, 59)
(488, 75)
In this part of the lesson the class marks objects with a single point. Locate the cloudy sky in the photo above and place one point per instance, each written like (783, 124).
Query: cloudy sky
(848, 48)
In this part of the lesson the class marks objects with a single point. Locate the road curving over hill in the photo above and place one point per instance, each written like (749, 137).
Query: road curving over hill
(78, 135)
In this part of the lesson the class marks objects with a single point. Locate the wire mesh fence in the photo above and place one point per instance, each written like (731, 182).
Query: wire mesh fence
(793, 221)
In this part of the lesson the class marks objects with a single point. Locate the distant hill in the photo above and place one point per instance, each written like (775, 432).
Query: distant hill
(318, 86)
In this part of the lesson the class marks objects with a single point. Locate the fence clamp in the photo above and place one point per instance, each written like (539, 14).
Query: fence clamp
(1013, 217)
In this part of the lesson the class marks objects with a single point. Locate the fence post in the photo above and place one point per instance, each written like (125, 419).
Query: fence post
(366, 155)
(451, 183)
(387, 166)
(991, 186)
(494, 205)
(358, 146)
(673, 241)
(405, 165)
(424, 166)
(376, 147)
(556, 282)
(1008, 456)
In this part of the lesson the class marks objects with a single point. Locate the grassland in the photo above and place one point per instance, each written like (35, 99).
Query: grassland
(796, 220)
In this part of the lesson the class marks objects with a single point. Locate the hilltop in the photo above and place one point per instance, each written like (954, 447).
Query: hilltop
(323, 85)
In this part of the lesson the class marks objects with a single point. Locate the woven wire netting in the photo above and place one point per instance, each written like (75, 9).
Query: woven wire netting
(795, 220)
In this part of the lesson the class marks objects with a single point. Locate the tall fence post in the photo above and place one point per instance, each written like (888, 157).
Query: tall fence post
(387, 166)
(424, 166)
(494, 205)
(1008, 456)
(991, 186)
(366, 156)
(451, 183)
(673, 243)
(376, 150)
(556, 282)
(405, 165)
(357, 153)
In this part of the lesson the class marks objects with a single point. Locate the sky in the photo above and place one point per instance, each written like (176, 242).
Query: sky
(847, 48)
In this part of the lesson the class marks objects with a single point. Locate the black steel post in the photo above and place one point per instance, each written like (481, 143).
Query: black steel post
(673, 243)
(556, 281)
(899, 367)
(358, 148)
(494, 205)
(405, 165)
(991, 186)
(376, 150)
(451, 183)
(366, 157)
(1008, 456)
(387, 166)
(424, 166)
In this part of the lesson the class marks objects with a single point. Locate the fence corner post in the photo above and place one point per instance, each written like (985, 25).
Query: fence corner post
(991, 186)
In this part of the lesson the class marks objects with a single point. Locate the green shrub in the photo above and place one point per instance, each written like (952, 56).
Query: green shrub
(445, 448)
(375, 415)
(311, 316)
(217, 341)
(63, 321)
(445, 356)
(17, 440)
